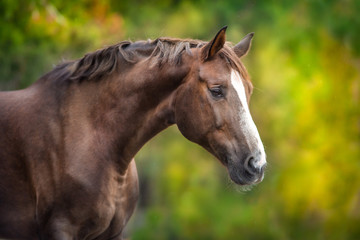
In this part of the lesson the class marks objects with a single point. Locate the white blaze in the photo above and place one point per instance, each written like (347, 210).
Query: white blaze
(246, 122)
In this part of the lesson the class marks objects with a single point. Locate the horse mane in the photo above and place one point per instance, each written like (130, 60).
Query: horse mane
(95, 65)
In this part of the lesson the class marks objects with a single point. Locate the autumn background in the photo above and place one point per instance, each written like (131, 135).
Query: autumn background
(305, 66)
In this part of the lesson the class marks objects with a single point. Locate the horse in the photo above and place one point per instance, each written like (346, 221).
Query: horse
(68, 141)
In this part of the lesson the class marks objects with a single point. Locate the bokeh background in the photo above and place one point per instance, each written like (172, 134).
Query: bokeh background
(305, 67)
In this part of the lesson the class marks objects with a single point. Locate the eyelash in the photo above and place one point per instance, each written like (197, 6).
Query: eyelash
(217, 92)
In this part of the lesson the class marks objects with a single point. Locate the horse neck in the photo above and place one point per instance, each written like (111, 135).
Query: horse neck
(128, 109)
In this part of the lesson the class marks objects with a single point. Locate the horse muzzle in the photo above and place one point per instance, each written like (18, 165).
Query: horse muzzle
(249, 171)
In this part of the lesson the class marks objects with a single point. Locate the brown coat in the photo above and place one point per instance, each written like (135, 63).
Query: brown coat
(67, 142)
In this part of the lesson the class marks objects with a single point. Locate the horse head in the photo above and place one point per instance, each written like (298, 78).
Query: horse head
(211, 108)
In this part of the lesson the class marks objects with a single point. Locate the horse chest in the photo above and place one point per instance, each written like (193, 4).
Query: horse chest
(123, 200)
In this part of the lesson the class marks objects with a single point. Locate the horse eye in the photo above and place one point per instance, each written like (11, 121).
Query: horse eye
(217, 92)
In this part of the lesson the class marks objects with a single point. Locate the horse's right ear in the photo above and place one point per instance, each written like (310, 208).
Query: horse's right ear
(243, 47)
(215, 45)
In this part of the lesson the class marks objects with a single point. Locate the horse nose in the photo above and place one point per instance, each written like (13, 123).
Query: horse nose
(254, 165)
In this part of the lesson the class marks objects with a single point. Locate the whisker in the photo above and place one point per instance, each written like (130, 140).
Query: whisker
(258, 89)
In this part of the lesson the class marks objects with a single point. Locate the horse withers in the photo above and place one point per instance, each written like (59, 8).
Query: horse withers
(67, 142)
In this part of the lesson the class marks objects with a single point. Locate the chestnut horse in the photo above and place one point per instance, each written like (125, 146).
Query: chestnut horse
(67, 142)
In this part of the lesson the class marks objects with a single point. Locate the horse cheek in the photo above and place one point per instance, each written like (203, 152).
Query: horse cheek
(185, 116)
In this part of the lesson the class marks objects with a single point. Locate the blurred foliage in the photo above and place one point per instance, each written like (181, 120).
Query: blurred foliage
(306, 70)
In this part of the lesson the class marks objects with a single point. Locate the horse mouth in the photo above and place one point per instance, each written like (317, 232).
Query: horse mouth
(241, 176)
(240, 171)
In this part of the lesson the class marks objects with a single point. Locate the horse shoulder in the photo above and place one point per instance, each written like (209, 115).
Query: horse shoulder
(17, 206)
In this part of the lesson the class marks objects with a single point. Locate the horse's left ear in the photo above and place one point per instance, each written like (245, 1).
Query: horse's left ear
(215, 45)
(243, 47)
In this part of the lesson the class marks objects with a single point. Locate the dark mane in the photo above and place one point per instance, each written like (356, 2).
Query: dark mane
(103, 62)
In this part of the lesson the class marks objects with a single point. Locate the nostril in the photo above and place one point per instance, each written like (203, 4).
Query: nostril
(250, 166)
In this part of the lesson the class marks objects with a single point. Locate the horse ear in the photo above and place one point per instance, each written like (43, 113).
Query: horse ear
(215, 45)
(243, 47)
